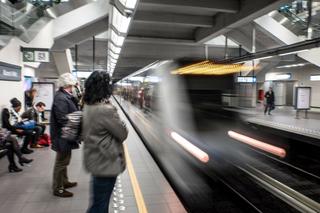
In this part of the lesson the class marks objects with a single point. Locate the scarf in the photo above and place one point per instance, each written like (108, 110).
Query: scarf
(14, 117)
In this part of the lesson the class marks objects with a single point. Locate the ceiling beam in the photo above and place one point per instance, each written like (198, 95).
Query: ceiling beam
(169, 41)
(134, 62)
(168, 51)
(173, 19)
(226, 6)
(250, 10)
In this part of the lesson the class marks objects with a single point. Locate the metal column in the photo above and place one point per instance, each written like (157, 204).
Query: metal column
(93, 52)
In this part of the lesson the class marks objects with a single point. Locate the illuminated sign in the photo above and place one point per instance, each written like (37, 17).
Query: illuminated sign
(278, 76)
(303, 98)
(246, 79)
(35, 55)
(315, 78)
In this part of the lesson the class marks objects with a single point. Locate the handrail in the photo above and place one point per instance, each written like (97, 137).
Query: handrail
(289, 14)
(17, 17)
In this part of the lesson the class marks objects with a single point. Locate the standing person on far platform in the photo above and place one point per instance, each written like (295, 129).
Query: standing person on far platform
(103, 135)
(269, 101)
(63, 105)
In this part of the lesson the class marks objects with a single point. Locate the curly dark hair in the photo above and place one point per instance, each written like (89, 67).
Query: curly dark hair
(97, 88)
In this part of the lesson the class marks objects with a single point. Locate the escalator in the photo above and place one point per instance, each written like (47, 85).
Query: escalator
(23, 22)
(296, 18)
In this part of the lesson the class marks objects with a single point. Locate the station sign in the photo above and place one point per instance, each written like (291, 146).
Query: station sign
(35, 55)
(246, 79)
(9, 72)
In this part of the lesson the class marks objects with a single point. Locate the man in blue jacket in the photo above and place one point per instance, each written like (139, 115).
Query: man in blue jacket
(63, 105)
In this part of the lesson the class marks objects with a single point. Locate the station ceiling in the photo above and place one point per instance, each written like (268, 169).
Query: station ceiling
(174, 29)
(171, 29)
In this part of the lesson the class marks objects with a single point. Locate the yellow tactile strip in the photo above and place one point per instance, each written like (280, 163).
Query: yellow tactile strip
(135, 184)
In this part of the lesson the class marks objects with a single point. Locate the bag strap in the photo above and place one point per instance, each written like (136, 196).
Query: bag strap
(104, 137)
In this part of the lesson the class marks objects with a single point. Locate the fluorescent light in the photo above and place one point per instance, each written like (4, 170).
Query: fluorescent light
(291, 65)
(315, 78)
(82, 74)
(112, 60)
(114, 49)
(211, 68)
(262, 58)
(136, 78)
(120, 22)
(277, 76)
(152, 79)
(116, 39)
(294, 52)
(280, 152)
(115, 56)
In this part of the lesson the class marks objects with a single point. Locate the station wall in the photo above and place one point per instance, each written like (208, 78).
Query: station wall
(9, 89)
(301, 77)
(11, 54)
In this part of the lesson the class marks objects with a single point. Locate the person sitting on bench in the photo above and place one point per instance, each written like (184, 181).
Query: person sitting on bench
(9, 142)
(11, 120)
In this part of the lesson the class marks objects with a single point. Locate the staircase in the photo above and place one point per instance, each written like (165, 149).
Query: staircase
(18, 22)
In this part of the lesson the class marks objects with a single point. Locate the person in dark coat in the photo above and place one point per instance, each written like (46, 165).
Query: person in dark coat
(29, 97)
(63, 105)
(269, 101)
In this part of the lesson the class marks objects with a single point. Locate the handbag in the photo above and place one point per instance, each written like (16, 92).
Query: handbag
(26, 125)
(72, 130)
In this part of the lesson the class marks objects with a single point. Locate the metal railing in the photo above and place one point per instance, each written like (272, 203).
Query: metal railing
(16, 21)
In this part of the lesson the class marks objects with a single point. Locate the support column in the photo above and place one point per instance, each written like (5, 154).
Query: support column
(206, 51)
(63, 61)
(93, 52)
(226, 48)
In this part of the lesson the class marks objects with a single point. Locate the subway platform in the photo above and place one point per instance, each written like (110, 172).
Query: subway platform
(141, 188)
(285, 119)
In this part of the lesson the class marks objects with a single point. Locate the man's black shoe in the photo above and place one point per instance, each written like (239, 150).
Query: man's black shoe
(70, 185)
(62, 193)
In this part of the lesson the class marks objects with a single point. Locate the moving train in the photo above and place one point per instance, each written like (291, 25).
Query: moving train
(189, 116)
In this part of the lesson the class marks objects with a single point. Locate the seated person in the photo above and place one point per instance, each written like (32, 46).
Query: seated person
(10, 121)
(35, 113)
(10, 143)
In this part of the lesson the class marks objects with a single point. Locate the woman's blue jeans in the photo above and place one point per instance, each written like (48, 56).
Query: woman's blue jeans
(101, 191)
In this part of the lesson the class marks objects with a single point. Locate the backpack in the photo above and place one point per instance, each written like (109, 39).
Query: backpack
(44, 140)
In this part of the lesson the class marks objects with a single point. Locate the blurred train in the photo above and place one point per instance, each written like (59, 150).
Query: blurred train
(189, 117)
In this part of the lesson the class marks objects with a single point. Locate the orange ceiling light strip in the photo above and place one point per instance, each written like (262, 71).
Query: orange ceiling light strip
(188, 146)
(280, 152)
(210, 68)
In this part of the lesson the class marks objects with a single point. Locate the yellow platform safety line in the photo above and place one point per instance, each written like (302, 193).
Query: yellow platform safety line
(135, 184)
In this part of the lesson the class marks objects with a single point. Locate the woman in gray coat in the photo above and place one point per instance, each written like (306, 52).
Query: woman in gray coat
(103, 134)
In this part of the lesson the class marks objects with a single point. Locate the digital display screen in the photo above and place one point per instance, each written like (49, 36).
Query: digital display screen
(246, 79)
(27, 83)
